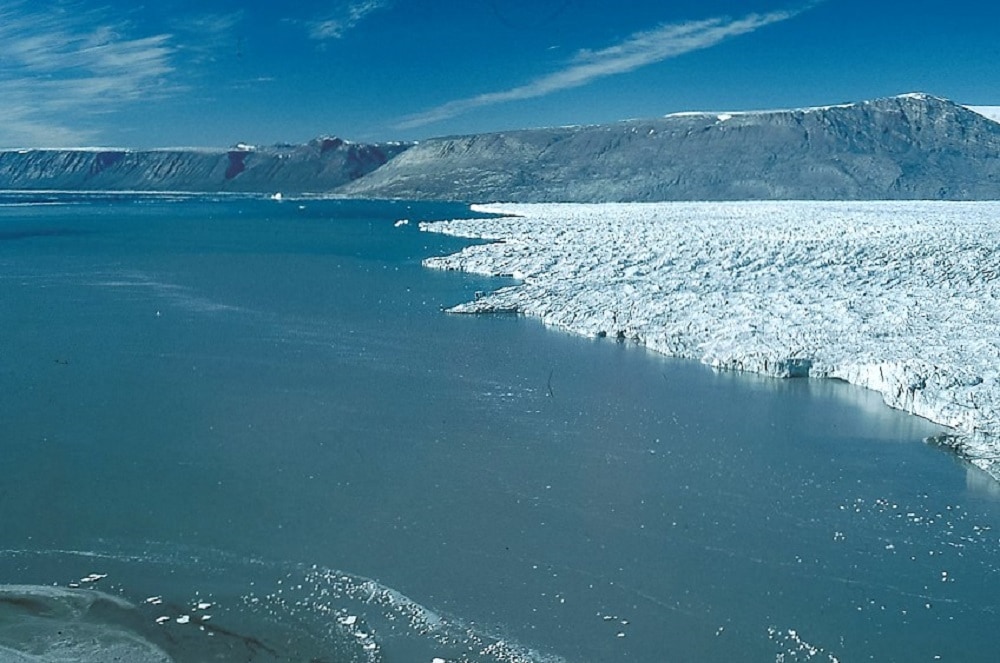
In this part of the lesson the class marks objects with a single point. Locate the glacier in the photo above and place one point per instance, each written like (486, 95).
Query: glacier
(899, 297)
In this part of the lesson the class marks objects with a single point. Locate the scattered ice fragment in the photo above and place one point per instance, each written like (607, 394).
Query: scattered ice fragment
(183, 619)
(162, 620)
(350, 620)
(203, 606)
(154, 600)
(401, 223)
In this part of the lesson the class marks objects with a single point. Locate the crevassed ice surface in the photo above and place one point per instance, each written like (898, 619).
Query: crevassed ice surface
(899, 297)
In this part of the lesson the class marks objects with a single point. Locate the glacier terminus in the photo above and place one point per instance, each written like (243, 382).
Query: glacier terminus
(899, 297)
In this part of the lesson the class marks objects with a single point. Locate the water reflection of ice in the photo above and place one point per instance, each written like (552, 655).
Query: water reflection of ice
(981, 484)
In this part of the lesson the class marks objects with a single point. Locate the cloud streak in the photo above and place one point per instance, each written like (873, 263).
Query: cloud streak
(336, 25)
(62, 67)
(639, 50)
(206, 38)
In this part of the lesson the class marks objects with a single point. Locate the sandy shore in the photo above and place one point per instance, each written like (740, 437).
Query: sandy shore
(899, 297)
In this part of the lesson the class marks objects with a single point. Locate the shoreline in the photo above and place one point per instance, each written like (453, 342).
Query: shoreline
(899, 297)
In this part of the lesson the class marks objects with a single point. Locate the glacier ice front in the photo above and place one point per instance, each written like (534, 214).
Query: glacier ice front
(899, 297)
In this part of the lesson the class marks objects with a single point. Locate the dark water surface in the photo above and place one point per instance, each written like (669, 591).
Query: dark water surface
(259, 407)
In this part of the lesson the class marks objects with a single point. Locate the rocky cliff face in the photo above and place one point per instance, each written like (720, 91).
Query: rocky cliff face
(908, 147)
(913, 146)
(320, 165)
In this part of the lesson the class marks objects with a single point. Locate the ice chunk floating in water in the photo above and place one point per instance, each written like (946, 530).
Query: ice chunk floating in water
(899, 297)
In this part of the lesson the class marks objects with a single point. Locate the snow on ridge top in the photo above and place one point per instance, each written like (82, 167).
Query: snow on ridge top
(725, 115)
(989, 112)
(891, 296)
(722, 116)
(24, 150)
(119, 150)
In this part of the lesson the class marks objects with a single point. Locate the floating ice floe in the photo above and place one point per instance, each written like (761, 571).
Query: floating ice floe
(94, 577)
(899, 297)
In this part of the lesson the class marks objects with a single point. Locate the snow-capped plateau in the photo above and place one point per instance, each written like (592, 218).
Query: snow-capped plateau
(899, 297)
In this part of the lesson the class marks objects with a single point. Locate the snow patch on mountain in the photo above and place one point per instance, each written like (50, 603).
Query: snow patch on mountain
(909, 96)
(990, 112)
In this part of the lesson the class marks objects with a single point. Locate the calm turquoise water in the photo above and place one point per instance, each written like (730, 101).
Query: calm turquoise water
(260, 406)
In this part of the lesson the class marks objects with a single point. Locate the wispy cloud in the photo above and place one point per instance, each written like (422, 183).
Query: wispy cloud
(63, 67)
(638, 50)
(345, 17)
(208, 37)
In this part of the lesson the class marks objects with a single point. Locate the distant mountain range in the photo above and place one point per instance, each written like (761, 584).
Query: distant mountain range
(913, 146)
(320, 165)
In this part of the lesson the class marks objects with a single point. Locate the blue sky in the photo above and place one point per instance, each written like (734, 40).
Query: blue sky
(217, 72)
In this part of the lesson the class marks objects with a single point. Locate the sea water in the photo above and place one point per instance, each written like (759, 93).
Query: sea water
(243, 429)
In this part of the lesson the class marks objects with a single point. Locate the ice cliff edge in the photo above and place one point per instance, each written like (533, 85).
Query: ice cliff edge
(896, 296)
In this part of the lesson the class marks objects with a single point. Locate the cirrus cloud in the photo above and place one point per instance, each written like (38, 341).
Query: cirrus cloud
(63, 67)
(344, 18)
(638, 50)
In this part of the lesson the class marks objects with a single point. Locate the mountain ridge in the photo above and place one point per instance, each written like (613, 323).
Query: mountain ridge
(321, 164)
(911, 146)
